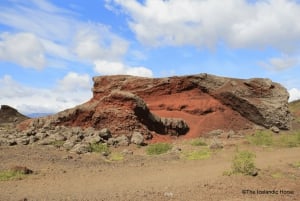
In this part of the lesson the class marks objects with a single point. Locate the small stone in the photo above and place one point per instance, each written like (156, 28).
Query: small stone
(122, 140)
(42, 135)
(254, 173)
(76, 138)
(176, 149)
(21, 169)
(137, 138)
(68, 145)
(59, 137)
(3, 141)
(275, 129)
(68, 157)
(11, 142)
(105, 153)
(93, 139)
(127, 152)
(216, 145)
(81, 149)
(168, 194)
(46, 141)
(23, 141)
(215, 132)
(76, 130)
(89, 131)
(227, 135)
(30, 132)
(105, 133)
(112, 141)
(33, 139)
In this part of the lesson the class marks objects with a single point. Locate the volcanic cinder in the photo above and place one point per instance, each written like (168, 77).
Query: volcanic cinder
(188, 105)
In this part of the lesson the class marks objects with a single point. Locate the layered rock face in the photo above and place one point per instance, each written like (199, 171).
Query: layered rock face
(187, 105)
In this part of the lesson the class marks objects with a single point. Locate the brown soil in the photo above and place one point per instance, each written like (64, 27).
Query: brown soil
(59, 175)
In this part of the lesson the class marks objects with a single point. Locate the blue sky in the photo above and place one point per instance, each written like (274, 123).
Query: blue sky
(51, 49)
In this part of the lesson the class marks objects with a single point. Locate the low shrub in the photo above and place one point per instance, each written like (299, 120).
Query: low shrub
(99, 148)
(197, 155)
(243, 163)
(296, 164)
(277, 175)
(11, 175)
(198, 142)
(266, 138)
(15, 173)
(116, 157)
(261, 138)
(289, 140)
(158, 148)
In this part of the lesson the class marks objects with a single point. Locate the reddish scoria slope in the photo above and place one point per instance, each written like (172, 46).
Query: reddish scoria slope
(202, 112)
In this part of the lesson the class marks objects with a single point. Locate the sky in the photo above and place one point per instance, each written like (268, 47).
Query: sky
(51, 49)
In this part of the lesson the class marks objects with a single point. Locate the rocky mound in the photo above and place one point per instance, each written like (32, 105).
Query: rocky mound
(188, 105)
(10, 115)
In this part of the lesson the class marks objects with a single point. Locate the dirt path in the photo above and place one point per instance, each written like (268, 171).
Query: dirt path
(62, 176)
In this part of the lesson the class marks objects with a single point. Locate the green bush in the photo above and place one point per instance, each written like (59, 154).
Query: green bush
(296, 164)
(11, 175)
(243, 163)
(158, 148)
(261, 138)
(197, 155)
(288, 140)
(198, 142)
(266, 138)
(99, 148)
(116, 157)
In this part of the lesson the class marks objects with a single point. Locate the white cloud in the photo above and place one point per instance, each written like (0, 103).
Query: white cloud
(41, 35)
(205, 23)
(40, 18)
(294, 94)
(138, 55)
(24, 49)
(10, 88)
(95, 41)
(56, 34)
(34, 100)
(75, 82)
(280, 63)
(113, 68)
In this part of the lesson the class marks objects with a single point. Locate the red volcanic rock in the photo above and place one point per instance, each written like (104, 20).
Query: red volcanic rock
(190, 105)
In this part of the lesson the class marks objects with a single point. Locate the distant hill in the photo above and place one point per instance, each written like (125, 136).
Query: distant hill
(10, 115)
(36, 115)
(294, 108)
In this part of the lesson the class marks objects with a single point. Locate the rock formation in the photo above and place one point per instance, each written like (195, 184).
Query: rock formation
(188, 105)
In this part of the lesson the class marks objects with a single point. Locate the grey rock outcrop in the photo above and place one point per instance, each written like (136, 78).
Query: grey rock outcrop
(260, 100)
